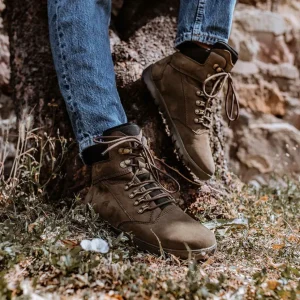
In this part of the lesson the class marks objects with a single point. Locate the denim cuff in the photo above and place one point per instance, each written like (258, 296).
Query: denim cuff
(201, 37)
(88, 142)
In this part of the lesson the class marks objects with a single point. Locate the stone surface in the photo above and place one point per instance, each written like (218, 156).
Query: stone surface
(292, 115)
(275, 50)
(4, 52)
(7, 116)
(267, 148)
(284, 70)
(265, 140)
(258, 21)
(246, 68)
(249, 48)
(270, 148)
(262, 97)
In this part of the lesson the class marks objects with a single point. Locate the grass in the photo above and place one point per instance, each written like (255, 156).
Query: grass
(258, 253)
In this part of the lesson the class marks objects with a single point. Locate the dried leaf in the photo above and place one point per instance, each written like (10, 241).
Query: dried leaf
(278, 246)
(69, 243)
(264, 198)
(293, 238)
(272, 284)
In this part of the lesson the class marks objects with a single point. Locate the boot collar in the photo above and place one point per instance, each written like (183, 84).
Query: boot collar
(198, 71)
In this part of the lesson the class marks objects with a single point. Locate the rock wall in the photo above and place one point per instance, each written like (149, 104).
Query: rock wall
(7, 116)
(266, 139)
(4, 52)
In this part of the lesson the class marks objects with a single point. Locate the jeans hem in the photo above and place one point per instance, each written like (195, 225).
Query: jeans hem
(87, 142)
(201, 37)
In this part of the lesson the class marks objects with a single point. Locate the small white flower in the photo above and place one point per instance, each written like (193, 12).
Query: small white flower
(86, 245)
(97, 245)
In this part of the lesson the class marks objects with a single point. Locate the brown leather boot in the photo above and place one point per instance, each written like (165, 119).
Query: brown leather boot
(184, 89)
(126, 193)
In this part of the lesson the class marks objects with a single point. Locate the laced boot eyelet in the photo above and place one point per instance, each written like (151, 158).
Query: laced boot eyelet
(199, 93)
(142, 209)
(132, 195)
(200, 103)
(138, 201)
(124, 151)
(123, 165)
(217, 68)
(196, 120)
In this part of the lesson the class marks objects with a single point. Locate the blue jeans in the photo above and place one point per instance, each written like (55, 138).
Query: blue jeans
(81, 52)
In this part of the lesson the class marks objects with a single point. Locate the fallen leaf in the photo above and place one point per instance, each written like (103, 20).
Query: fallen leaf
(272, 284)
(69, 243)
(278, 246)
(293, 238)
(264, 198)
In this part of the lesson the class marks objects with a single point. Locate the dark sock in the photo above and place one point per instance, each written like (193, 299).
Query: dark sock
(93, 154)
(200, 54)
(194, 51)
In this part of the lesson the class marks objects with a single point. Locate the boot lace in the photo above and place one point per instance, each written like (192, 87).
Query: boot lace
(145, 184)
(219, 80)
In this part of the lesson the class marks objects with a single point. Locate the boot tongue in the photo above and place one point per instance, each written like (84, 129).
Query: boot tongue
(224, 46)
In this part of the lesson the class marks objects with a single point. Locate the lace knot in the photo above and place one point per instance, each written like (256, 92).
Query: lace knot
(232, 107)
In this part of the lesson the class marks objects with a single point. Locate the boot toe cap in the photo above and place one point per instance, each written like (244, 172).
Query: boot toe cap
(201, 155)
(176, 232)
(191, 236)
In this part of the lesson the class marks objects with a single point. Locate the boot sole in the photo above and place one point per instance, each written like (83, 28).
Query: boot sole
(188, 162)
(199, 254)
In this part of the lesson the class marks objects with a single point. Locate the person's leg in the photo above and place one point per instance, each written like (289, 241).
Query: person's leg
(81, 51)
(184, 84)
(125, 191)
(205, 21)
